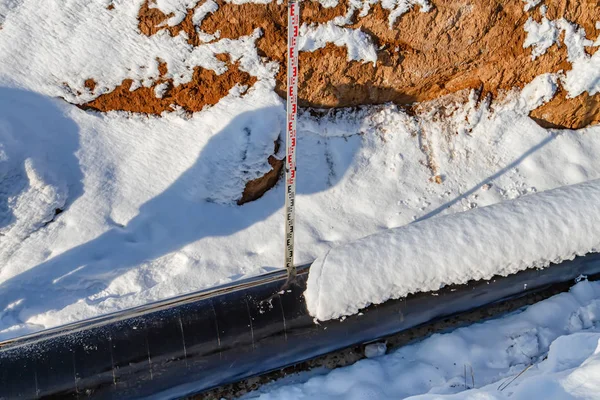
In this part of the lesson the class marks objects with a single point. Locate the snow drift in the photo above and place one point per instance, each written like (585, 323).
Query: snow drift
(501, 239)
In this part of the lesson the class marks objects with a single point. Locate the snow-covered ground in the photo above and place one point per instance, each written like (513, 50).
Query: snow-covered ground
(150, 201)
(550, 350)
(100, 212)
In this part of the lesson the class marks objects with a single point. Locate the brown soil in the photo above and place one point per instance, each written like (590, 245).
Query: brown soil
(191, 96)
(564, 113)
(257, 187)
(90, 84)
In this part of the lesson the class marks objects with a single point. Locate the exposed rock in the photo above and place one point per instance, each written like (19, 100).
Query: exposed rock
(564, 113)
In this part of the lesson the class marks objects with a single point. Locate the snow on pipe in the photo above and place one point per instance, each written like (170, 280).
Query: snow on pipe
(501, 239)
(206, 339)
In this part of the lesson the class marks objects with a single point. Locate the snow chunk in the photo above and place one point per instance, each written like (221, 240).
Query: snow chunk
(538, 92)
(328, 3)
(39, 171)
(359, 44)
(531, 3)
(397, 8)
(400, 7)
(575, 40)
(540, 36)
(363, 5)
(501, 239)
(161, 89)
(176, 7)
(208, 7)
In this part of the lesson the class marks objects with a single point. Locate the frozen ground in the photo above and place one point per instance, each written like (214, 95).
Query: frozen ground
(550, 350)
(100, 212)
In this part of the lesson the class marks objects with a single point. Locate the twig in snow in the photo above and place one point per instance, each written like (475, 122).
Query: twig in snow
(472, 377)
(504, 386)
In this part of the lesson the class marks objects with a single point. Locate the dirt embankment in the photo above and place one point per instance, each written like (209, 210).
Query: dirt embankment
(458, 44)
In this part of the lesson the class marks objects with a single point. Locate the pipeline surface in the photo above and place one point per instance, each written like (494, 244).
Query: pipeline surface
(203, 340)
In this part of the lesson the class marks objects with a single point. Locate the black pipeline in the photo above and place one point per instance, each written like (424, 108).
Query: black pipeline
(199, 341)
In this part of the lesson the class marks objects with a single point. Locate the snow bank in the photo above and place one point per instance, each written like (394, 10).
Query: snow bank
(501, 239)
(558, 337)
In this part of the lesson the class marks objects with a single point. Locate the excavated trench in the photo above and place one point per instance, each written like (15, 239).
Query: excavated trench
(210, 342)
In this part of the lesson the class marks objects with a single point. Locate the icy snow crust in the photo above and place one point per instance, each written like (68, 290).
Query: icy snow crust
(500, 239)
(559, 338)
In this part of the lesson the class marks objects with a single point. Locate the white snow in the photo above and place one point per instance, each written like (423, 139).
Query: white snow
(398, 8)
(176, 7)
(39, 170)
(538, 92)
(541, 36)
(585, 73)
(556, 342)
(149, 202)
(208, 7)
(155, 213)
(161, 89)
(500, 239)
(531, 4)
(359, 45)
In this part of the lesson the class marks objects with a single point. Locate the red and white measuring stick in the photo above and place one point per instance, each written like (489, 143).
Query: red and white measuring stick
(290, 156)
